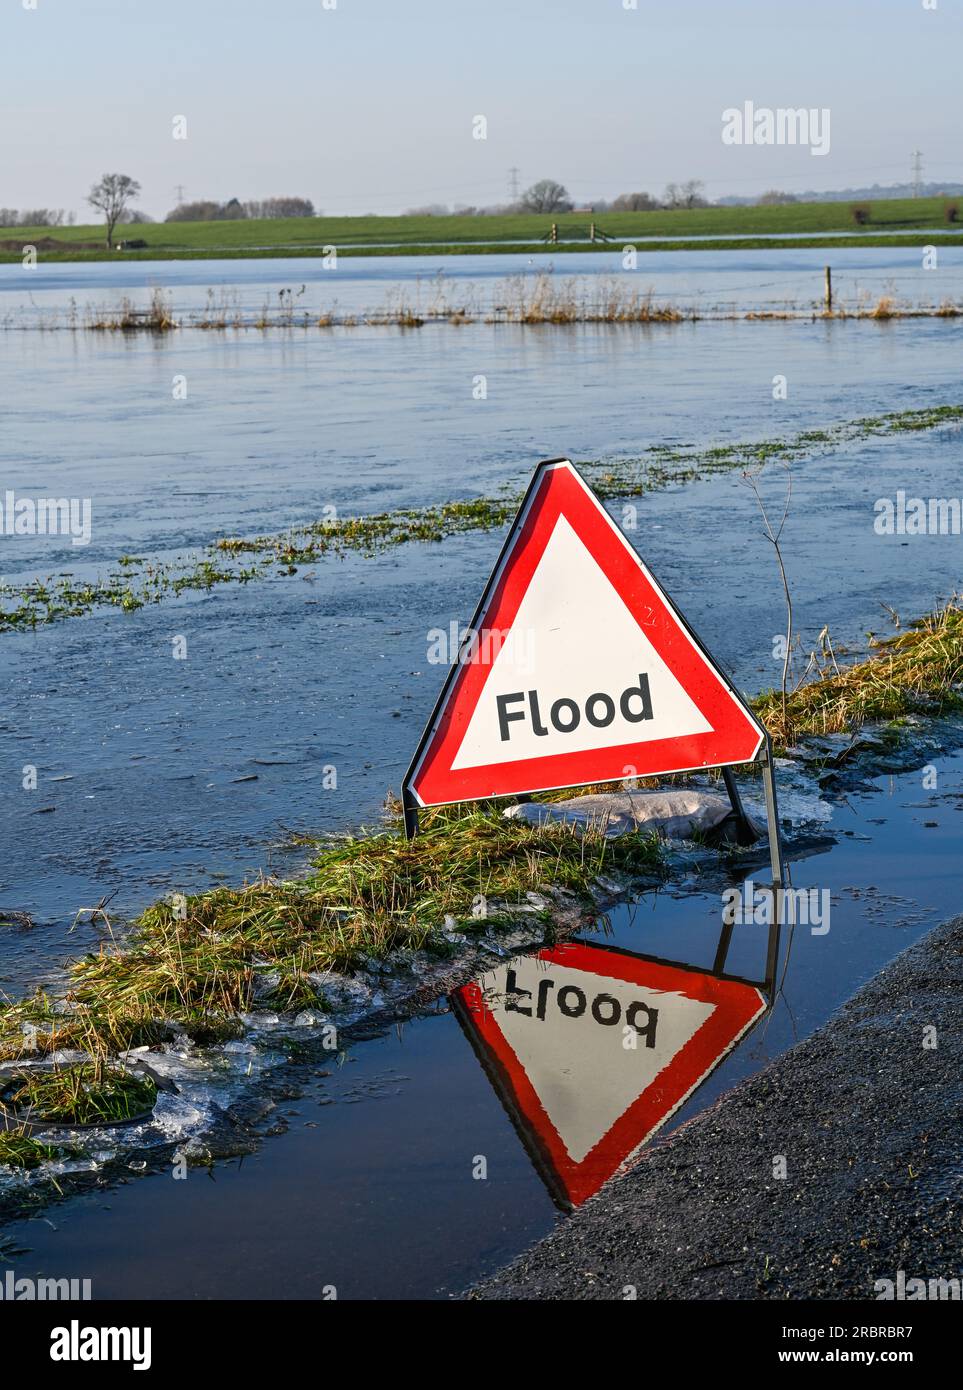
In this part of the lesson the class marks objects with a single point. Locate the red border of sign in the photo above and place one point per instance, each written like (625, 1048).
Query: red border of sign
(735, 736)
(740, 1005)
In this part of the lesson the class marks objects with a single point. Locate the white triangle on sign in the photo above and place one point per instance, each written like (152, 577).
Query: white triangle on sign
(578, 1067)
(573, 637)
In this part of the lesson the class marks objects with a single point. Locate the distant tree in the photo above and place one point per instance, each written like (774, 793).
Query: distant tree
(42, 217)
(429, 210)
(293, 207)
(281, 207)
(634, 202)
(31, 217)
(111, 197)
(233, 210)
(202, 211)
(774, 197)
(685, 195)
(545, 196)
(134, 217)
(862, 212)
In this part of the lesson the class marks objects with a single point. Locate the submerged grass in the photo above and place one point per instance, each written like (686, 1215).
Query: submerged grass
(529, 300)
(541, 299)
(239, 560)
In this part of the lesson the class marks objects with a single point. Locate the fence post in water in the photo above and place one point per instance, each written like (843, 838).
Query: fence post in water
(591, 231)
(829, 289)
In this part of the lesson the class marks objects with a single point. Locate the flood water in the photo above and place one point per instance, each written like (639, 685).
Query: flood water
(140, 756)
(372, 1189)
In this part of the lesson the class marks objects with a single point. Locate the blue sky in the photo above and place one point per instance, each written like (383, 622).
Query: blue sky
(369, 106)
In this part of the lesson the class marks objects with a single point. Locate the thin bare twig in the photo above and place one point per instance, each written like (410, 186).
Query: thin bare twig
(774, 537)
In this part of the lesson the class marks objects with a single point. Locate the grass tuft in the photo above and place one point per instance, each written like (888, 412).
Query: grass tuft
(83, 1094)
(18, 1150)
(919, 671)
(158, 317)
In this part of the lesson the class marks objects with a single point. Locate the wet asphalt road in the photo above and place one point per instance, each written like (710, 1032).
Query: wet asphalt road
(868, 1120)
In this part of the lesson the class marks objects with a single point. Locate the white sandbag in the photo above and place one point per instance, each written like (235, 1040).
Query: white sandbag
(676, 813)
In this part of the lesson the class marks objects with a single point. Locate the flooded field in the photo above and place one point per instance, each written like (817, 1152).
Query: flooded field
(694, 280)
(159, 774)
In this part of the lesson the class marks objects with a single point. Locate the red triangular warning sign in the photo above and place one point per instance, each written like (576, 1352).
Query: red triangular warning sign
(577, 667)
(555, 1033)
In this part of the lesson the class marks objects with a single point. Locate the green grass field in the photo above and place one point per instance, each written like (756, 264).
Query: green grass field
(907, 218)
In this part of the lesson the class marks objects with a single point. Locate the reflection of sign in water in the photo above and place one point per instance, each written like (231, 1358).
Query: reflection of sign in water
(591, 1049)
(592, 675)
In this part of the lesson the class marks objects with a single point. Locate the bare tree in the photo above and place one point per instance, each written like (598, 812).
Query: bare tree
(634, 202)
(429, 210)
(279, 207)
(31, 217)
(685, 195)
(203, 210)
(111, 197)
(546, 196)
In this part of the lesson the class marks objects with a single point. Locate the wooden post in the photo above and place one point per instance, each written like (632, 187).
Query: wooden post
(591, 231)
(829, 289)
(554, 233)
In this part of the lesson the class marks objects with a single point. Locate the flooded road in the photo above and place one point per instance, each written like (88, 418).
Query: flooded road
(159, 775)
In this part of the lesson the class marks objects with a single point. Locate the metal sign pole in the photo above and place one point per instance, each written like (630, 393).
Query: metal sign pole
(722, 950)
(775, 856)
(747, 831)
(410, 808)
